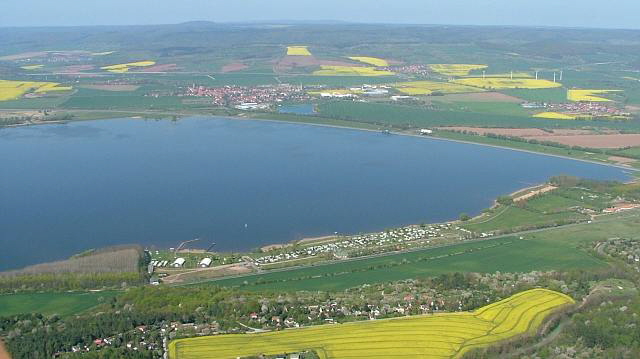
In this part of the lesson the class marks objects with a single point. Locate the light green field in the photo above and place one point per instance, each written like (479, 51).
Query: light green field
(448, 335)
(62, 304)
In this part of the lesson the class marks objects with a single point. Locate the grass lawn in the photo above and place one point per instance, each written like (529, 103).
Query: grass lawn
(62, 304)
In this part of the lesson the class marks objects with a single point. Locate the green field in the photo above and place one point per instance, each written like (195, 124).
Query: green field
(407, 116)
(62, 304)
(513, 217)
(539, 95)
(504, 254)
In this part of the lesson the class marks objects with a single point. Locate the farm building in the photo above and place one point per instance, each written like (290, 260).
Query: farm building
(179, 262)
(205, 262)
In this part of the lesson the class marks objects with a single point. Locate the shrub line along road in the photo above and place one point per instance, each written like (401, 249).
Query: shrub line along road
(311, 123)
(636, 213)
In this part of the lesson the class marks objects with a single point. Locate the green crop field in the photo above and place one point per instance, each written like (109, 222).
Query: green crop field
(504, 254)
(406, 116)
(62, 304)
(498, 108)
(513, 217)
(448, 335)
(539, 95)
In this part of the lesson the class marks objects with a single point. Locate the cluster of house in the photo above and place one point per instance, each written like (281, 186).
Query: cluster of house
(621, 207)
(248, 97)
(357, 242)
(421, 70)
(139, 344)
(596, 109)
(626, 249)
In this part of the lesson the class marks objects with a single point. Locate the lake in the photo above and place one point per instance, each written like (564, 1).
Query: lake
(65, 188)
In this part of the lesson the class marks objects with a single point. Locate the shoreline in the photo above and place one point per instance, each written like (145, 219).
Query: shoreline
(311, 123)
(323, 238)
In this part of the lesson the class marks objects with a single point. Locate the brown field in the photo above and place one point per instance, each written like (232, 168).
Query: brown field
(158, 68)
(3, 352)
(596, 141)
(77, 68)
(116, 88)
(108, 260)
(520, 132)
(478, 97)
(622, 160)
(232, 67)
(22, 56)
(582, 138)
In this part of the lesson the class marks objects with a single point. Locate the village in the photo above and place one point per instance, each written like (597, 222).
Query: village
(245, 97)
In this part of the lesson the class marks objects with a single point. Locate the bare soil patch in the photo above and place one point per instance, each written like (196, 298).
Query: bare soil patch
(622, 160)
(519, 132)
(542, 190)
(107, 87)
(159, 68)
(77, 68)
(4, 354)
(596, 141)
(479, 97)
(232, 67)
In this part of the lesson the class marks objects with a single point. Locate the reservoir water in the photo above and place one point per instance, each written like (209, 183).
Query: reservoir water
(65, 188)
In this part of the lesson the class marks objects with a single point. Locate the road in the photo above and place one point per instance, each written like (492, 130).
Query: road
(608, 218)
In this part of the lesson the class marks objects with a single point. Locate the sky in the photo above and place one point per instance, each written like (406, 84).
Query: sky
(566, 13)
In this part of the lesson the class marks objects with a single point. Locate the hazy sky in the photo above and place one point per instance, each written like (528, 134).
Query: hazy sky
(581, 13)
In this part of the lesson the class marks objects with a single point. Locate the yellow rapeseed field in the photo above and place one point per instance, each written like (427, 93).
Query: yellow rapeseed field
(370, 60)
(336, 92)
(31, 67)
(11, 90)
(456, 69)
(555, 116)
(588, 95)
(429, 87)
(506, 83)
(121, 68)
(327, 70)
(298, 51)
(436, 336)
(516, 75)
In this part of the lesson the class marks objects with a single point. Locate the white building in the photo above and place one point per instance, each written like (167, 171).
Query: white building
(205, 262)
(179, 262)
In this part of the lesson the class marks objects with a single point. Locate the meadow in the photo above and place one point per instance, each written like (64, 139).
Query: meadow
(62, 304)
(446, 335)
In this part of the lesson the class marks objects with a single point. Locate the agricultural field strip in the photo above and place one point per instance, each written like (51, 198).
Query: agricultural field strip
(472, 328)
